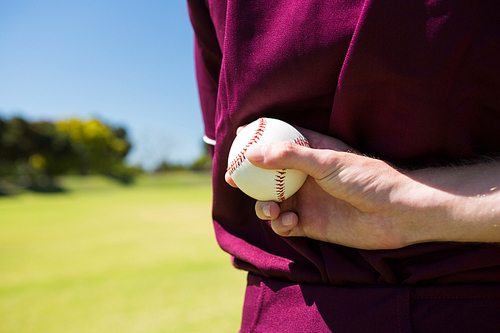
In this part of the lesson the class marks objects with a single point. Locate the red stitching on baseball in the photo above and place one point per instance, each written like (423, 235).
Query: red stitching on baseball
(280, 184)
(280, 174)
(301, 141)
(255, 138)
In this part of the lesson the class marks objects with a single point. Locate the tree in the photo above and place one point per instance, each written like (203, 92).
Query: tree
(43, 150)
(100, 148)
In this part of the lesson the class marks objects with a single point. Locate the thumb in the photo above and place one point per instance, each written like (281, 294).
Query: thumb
(287, 155)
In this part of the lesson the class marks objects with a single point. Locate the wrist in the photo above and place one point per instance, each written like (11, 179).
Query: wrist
(452, 206)
(475, 218)
(428, 214)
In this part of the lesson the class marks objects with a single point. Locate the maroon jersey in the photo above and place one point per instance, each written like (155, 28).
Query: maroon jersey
(415, 83)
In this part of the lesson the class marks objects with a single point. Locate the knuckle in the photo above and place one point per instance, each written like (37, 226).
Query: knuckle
(327, 166)
(285, 150)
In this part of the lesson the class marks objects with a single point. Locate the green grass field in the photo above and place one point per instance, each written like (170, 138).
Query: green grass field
(102, 257)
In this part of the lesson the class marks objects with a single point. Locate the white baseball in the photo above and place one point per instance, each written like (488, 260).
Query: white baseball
(262, 184)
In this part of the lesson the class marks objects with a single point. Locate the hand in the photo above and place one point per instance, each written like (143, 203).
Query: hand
(363, 202)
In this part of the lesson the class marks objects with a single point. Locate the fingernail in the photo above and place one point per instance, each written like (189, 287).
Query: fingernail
(255, 153)
(267, 211)
(287, 220)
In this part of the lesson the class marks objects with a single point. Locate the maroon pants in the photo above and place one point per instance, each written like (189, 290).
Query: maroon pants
(274, 306)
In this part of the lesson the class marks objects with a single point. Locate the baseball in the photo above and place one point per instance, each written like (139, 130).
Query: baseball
(262, 184)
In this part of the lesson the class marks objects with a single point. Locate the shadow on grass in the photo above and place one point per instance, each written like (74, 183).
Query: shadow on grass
(11, 187)
(51, 188)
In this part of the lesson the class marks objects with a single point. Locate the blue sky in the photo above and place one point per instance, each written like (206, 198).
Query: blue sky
(129, 63)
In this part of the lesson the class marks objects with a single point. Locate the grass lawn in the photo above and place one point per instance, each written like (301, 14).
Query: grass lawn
(102, 257)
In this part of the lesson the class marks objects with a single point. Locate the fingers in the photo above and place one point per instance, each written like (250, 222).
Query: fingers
(283, 155)
(285, 224)
(321, 141)
(229, 180)
(240, 129)
(267, 210)
(227, 177)
(286, 155)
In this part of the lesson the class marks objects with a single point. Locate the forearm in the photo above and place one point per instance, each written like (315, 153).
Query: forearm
(461, 204)
(365, 203)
